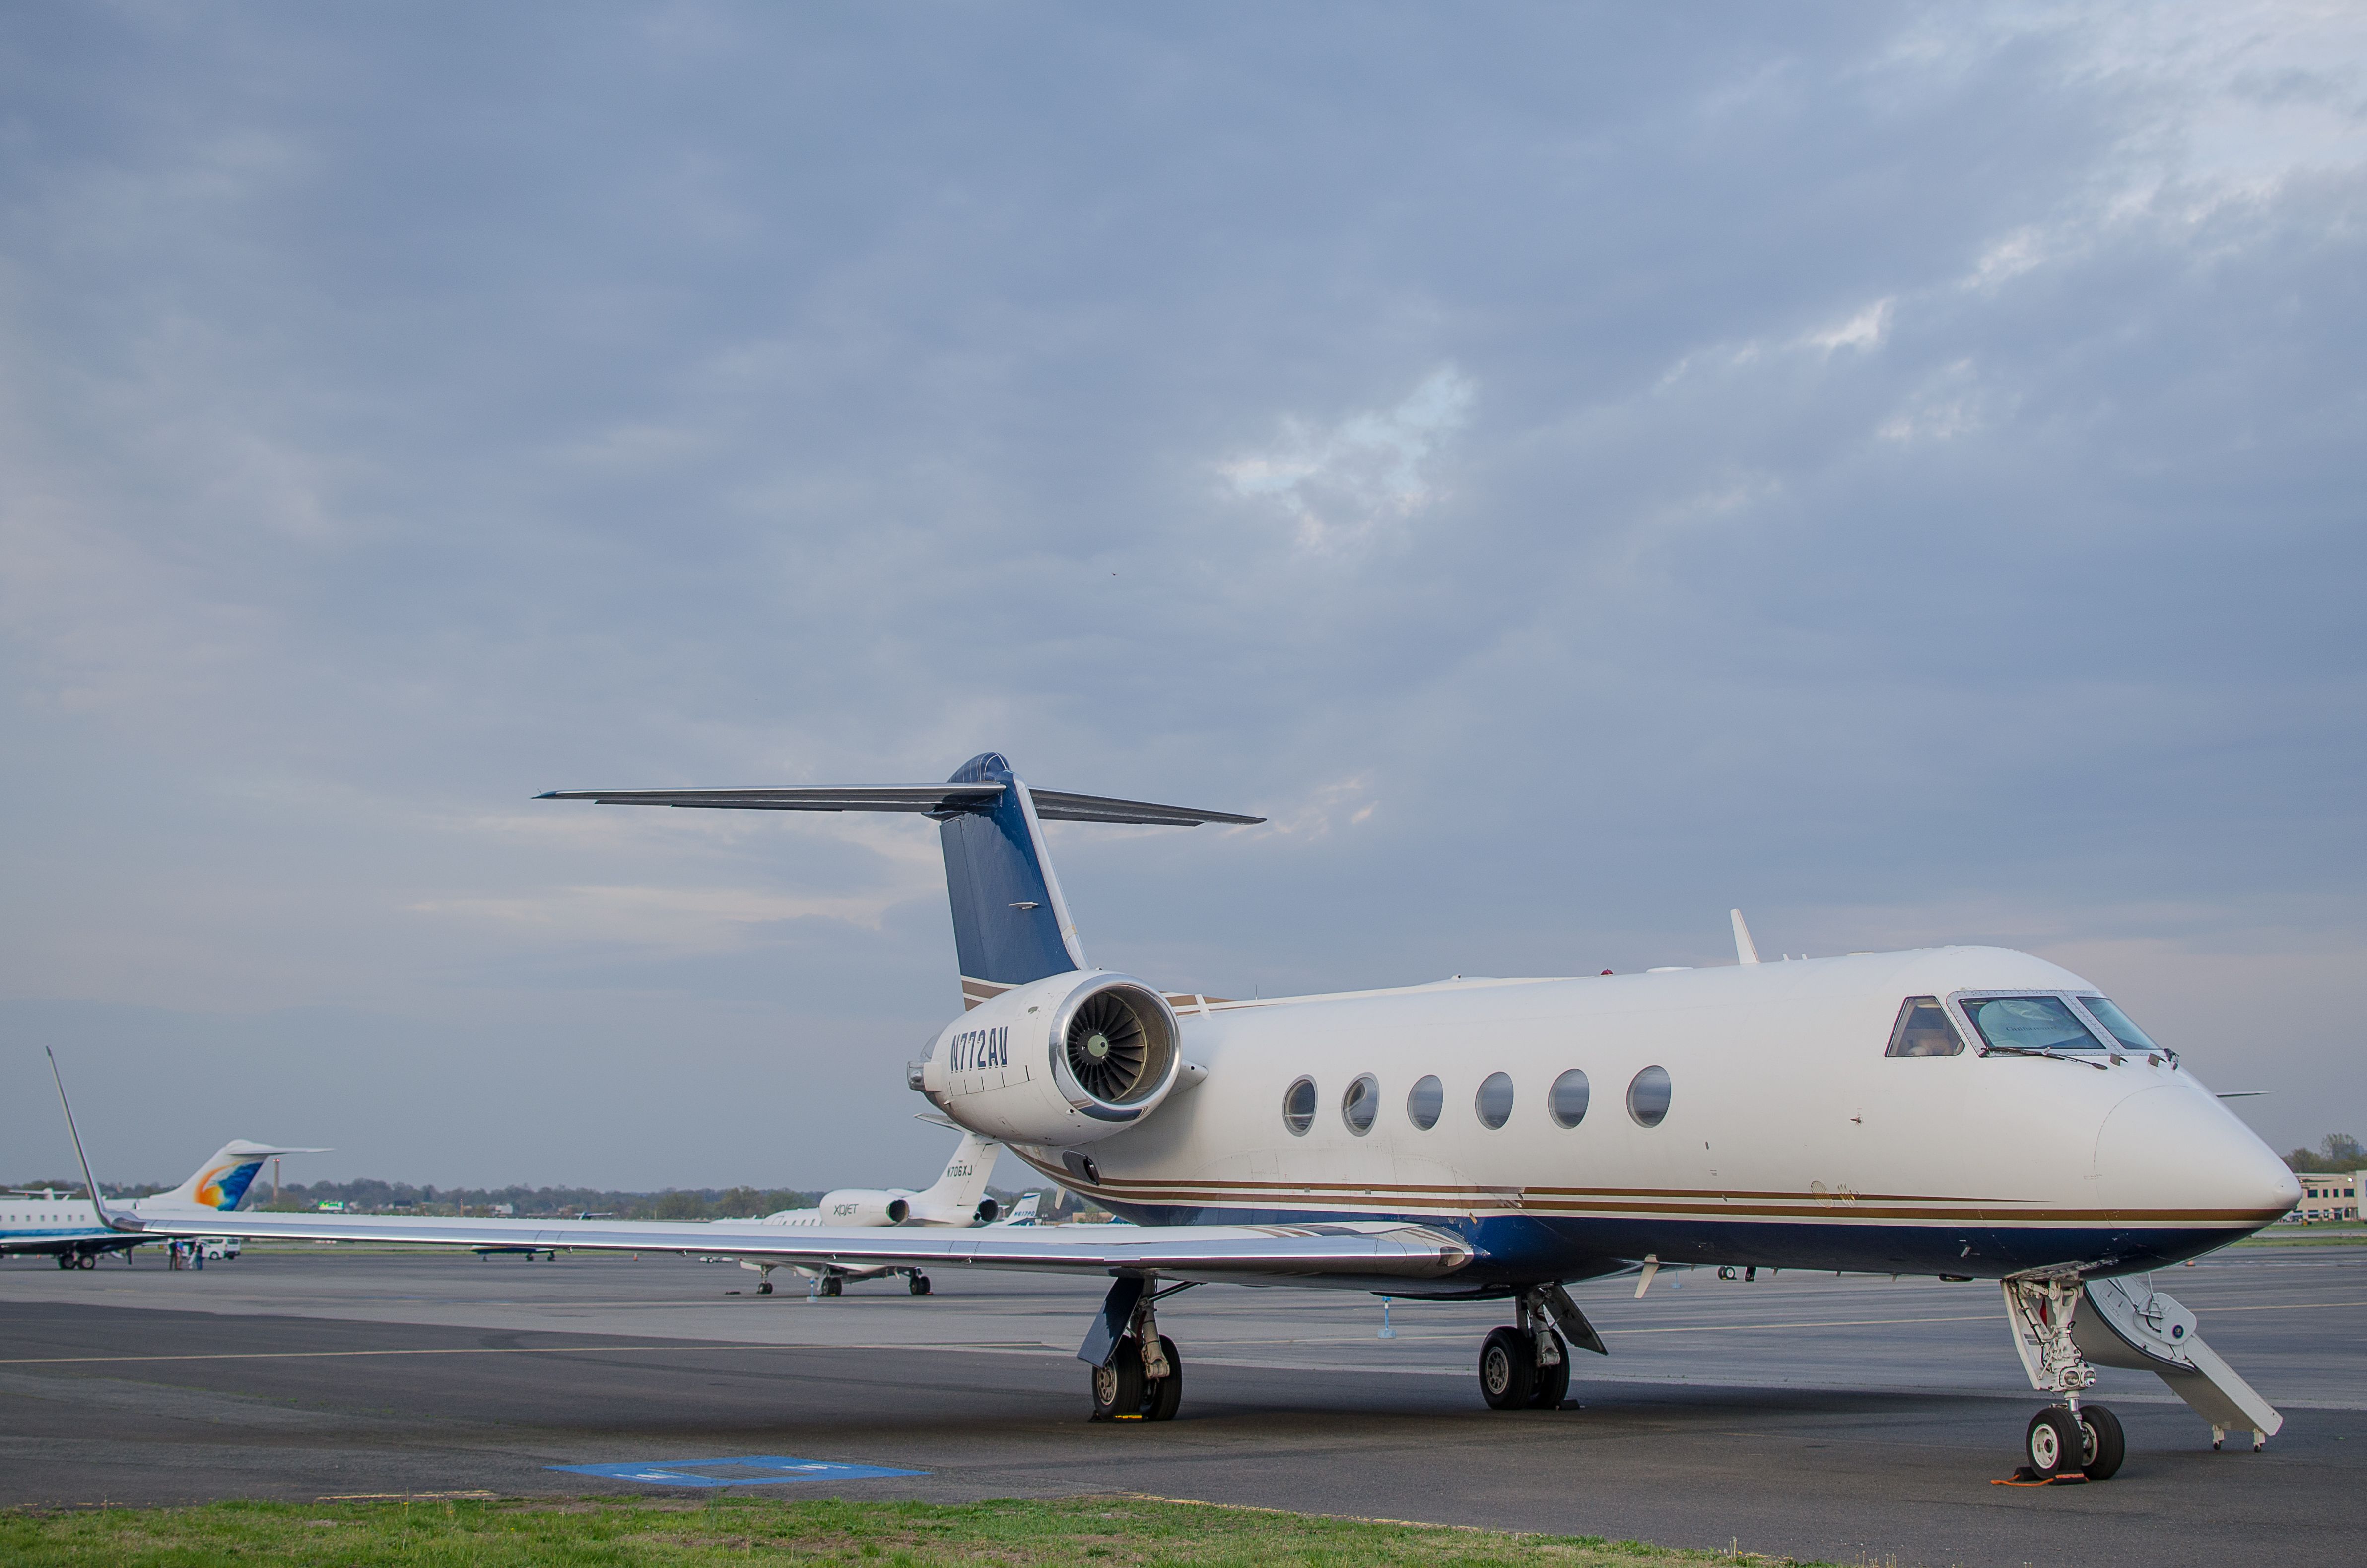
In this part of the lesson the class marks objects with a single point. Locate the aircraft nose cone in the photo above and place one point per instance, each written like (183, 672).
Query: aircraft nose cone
(2175, 1152)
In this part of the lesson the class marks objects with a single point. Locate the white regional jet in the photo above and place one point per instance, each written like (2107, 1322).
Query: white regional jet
(958, 1198)
(1964, 1112)
(69, 1229)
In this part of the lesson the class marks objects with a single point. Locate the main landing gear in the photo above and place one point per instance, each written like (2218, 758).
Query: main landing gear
(2074, 1438)
(918, 1282)
(1526, 1367)
(77, 1260)
(1138, 1372)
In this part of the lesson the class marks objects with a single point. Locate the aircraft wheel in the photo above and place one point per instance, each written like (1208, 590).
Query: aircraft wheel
(1508, 1368)
(1117, 1388)
(832, 1285)
(87, 1260)
(65, 1260)
(919, 1284)
(1162, 1396)
(2053, 1442)
(2102, 1446)
(765, 1287)
(1552, 1382)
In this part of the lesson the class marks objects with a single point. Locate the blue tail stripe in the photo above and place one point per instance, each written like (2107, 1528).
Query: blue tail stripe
(1006, 928)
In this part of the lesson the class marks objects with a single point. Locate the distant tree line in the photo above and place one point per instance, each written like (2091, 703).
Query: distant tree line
(2335, 1152)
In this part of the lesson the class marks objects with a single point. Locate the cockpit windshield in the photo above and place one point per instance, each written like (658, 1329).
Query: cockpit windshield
(2029, 1022)
(2116, 1023)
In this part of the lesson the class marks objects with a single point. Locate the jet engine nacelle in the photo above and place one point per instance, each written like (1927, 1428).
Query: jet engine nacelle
(860, 1206)
(1062, 1062)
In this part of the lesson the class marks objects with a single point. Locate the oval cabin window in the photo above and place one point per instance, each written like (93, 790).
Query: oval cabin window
(1298, 1106)
(1424, 1101)
(1494, 1102)
(1566, 1098)
(1647, 1097)
(1360, 1104)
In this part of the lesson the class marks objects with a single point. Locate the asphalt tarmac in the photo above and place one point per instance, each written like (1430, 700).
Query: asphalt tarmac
(1843, 1419)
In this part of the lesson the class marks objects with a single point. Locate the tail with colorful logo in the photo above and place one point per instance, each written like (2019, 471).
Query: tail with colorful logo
(223, 1181)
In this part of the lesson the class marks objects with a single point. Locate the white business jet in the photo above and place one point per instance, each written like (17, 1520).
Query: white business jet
(1962, 1112)
(958, 1198)
(69, 1230)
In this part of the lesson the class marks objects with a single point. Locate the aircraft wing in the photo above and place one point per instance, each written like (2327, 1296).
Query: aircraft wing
(1362, 1250)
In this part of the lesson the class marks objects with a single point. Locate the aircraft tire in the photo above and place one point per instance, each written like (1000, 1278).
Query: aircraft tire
(1552, 1382)
(919, 1283)
(765, 1287)
(65, 1260)
(1117, 1388)
(2052, 1443)
(87, 1260)
(1161, 1397)
(1508, 1368)
(833, 1284)
(2103, 1446)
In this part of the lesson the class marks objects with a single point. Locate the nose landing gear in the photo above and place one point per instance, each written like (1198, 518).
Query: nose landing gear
(2063, 1439)
(2074, 1437)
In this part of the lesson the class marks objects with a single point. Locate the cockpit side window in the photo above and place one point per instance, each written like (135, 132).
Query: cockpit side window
(2029, 1022)
(1923, 1029)
(2118, 1024)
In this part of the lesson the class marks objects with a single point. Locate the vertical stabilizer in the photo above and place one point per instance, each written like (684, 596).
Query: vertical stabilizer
(1011, 925)
(957, 1196)
(1745, 950)
(222, 1182)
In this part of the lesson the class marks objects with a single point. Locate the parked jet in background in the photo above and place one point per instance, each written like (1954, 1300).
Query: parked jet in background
(1962, 1112)
(958, 1198)
(1023, 1212)
(69, 1229)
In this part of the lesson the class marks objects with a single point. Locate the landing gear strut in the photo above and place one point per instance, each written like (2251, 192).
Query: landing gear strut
(2075, 1436)
(1527, 1367)
(1141, 1375)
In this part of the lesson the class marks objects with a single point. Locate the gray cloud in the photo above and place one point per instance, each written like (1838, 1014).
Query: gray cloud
(1573, 471)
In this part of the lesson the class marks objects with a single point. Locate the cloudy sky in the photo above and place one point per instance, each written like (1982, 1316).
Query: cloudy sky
(1575, 469)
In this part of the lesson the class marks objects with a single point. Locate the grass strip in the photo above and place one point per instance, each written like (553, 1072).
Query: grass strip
(600, 1532)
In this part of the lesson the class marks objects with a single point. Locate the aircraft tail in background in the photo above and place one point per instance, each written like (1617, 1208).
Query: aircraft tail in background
(222, 1182)
(959, 1196)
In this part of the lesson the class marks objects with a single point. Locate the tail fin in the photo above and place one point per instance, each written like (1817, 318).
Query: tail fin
(222, 1181)
(1011, 925)
(1023, 1212)
(956, 1198)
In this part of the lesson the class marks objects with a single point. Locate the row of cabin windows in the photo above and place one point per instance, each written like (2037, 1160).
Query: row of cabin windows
(1566, 1101)
(2017, 1024)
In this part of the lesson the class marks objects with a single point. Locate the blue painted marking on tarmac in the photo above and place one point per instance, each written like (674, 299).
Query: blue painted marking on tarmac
(748, 1470)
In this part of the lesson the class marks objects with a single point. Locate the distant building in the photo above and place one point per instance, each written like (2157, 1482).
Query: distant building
(2327, 1195)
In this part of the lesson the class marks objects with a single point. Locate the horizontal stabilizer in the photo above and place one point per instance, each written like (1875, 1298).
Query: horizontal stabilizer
(1054, 805)
(932, 800)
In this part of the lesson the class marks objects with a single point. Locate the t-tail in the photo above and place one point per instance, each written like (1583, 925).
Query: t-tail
(959, 1196)
(1011, 925)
